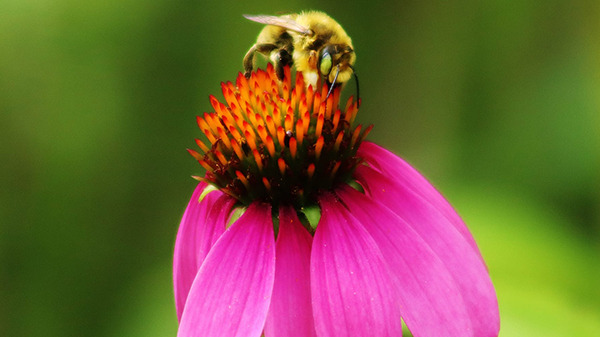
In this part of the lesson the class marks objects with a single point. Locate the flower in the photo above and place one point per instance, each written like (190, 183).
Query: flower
(300, 227)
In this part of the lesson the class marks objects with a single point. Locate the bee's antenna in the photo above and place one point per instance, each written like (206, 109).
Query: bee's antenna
(357, 88)
(332, 84)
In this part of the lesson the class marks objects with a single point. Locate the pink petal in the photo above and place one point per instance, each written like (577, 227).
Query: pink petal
(192, 243)
(209, 232)
(352, 292)
(456, 253)
(413, 183)
(232, 291)
(432, 304)
(290, 313)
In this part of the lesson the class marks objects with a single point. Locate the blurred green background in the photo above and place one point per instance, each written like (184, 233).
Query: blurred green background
(497, 103)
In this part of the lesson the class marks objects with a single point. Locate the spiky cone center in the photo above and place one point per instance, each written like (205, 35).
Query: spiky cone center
(278, 142)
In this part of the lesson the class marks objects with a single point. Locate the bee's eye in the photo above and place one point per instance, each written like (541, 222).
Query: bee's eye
(325, 66)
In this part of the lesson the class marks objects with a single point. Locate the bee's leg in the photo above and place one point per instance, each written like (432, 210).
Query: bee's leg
(282, 58)
(264, 48)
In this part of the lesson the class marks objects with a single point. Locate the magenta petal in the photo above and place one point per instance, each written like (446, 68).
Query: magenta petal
(411, 182)
(208, 232)
(456, 253)
(290, 313)
(191, 240)
(432, 304)
(352, 293)
(214, 226)
(232, 291)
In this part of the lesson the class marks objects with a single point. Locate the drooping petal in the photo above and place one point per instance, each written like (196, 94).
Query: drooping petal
(191, 242)
(232, 291)
(290, 312)
(431, 302)
(450, 245)
(351, 289)
(413, 183)
(210, 231)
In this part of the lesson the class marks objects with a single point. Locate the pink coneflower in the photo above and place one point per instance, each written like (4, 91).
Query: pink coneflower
(302, 228)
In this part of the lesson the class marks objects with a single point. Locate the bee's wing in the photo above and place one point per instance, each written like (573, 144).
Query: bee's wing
(281, 21)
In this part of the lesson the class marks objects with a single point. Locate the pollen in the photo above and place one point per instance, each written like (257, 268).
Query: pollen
(278, 141)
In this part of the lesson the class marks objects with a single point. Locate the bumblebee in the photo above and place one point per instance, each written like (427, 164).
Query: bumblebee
(311, 41)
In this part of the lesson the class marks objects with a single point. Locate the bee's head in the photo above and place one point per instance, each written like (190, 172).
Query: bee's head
(334, 58)
(335, 64)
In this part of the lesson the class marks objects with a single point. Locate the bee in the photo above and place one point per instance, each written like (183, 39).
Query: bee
(311, 41)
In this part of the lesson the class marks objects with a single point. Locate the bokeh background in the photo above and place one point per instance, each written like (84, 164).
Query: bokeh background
(496, 102)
